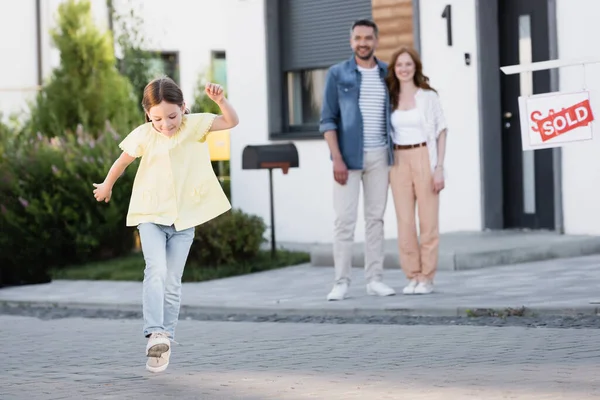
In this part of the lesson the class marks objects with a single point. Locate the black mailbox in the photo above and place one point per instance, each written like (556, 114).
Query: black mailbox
(270, 156)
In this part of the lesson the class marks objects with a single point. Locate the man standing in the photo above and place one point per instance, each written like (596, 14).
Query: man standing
(355, 122)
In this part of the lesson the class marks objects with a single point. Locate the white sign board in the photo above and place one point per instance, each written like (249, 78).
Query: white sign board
(554, 119)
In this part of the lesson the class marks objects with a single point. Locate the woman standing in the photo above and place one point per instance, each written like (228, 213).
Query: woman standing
(417, 177)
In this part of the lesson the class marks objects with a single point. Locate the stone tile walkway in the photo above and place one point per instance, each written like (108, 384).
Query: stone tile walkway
(560, 286)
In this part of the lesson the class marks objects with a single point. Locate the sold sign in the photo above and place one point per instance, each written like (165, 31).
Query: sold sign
(555, 119)
(564, 121)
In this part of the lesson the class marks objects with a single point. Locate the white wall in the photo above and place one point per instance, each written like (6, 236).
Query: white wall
(18, 69)
(310, 218)
(456, 84)
(577, 25)
(18, 41)
(193, 29)
(303, 198)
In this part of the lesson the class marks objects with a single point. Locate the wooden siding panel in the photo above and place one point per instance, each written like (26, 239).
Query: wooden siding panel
(395, 21)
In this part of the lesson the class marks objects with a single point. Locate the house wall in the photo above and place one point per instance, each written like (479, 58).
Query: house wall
(394, 18)
(457, 85)
(194, 33)
(579, 162)
(577, 24)
(19, 76)
(303, 197)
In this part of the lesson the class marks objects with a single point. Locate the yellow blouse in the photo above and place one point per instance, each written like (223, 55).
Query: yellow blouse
(175, 182)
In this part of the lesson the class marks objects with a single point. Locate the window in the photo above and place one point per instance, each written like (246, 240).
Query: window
(164, 63)
(304, 38)
(304, 98)
(219, 68)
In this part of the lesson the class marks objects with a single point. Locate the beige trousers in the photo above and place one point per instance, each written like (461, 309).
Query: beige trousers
(375, 180)
(412, 185)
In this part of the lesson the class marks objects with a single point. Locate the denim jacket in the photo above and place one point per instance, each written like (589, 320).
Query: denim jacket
(341, 112)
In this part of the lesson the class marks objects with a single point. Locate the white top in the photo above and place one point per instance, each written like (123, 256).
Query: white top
(433, 122)
(407, 127)
(372, 107)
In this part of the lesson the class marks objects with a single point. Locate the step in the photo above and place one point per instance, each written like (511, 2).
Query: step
(472, 250)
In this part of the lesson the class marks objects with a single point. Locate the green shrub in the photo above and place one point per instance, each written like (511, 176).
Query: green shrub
(234, 237)
(47, 207)
(226, 185)
(86, 88)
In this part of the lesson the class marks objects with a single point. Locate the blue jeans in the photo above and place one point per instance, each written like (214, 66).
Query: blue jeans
(165, 253)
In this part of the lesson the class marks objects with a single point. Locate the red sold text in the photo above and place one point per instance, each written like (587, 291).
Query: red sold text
(563, 121)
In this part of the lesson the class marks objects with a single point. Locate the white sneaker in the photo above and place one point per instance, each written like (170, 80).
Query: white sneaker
(424, 288)
(410, 288)
(158, 351)
(338, 292)
(377, 288)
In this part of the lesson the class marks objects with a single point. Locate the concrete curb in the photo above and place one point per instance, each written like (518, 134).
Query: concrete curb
(499, 311)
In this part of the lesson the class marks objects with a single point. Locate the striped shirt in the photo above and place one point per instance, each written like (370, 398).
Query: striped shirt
(372, 108)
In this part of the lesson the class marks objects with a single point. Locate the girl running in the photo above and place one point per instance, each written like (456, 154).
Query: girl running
(175, 190)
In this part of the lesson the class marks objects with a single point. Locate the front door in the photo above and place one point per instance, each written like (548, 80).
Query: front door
(528, 185)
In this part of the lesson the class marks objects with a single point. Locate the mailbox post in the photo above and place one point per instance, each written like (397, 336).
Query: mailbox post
(271, 156)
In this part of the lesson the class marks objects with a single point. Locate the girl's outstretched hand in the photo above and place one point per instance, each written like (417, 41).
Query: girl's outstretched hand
(214, 91)
(102, 192)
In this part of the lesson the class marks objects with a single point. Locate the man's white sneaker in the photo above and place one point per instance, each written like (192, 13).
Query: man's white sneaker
(338, 292)
(377, 288)
(158, 351)
(424, 288)
(410, 288)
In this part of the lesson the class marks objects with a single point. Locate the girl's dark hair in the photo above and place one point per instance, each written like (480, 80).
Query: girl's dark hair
(159, 90)
(392, 82)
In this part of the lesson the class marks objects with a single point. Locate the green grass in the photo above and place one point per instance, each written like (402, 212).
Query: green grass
(131, 268)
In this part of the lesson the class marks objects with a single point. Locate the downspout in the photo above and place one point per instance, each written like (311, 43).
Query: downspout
(38, 23)
(416, 17)
(110, 8)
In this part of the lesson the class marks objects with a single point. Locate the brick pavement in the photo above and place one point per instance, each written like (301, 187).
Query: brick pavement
(103, 359)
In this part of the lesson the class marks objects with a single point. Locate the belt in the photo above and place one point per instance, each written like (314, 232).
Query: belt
(409, 146)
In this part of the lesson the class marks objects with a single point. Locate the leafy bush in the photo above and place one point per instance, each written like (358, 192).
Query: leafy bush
(86, 88)
(49, 216)
(231, 238)
(4, 135)
(226, 185)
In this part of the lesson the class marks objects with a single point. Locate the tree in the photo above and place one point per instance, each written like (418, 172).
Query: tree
(202, 103)
(86, 88)
(135, 58)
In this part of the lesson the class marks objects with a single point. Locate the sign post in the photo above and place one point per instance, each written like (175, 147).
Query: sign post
(557, 118)
(554, 119)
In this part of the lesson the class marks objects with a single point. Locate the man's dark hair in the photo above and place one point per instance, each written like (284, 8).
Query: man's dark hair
(366, 22)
